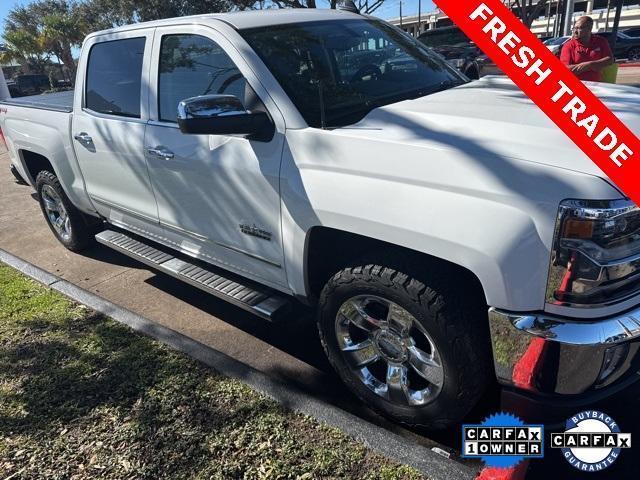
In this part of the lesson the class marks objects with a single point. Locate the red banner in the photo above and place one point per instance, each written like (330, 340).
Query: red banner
(551, 86)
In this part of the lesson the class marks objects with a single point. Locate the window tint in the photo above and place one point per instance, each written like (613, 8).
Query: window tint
(192, 65)
(336, 72)
(113, 77)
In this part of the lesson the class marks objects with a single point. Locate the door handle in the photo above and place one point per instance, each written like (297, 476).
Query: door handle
(83, 137)
(160, 152)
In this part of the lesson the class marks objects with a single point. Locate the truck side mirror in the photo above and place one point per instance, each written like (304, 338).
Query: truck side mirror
(223, 115)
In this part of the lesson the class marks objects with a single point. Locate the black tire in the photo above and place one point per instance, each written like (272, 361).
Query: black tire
(456, 322)
(634, 54)
(82, 228)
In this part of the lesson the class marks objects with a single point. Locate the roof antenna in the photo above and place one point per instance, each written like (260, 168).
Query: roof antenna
(349, 6)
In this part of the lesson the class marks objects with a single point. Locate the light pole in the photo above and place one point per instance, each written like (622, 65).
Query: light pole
(568, 17)
(606, 26)
(419, 8)
(616, 25)
(556, 21)
(4, 90)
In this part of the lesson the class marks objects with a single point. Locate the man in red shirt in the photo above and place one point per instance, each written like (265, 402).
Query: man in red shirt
(585, 54)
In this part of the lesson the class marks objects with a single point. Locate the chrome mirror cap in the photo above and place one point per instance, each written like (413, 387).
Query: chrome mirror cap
(223, 115)
(209, 106)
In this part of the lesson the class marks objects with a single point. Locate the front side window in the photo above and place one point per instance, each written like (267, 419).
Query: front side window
(336, 72)
(114, 75)
(192, 65)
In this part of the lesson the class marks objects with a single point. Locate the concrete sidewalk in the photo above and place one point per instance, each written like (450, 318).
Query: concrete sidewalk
(289, 351)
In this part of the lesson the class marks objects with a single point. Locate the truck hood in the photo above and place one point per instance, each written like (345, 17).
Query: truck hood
(493, 115)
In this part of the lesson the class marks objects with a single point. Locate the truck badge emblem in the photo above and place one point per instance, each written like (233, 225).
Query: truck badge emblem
(255, 231)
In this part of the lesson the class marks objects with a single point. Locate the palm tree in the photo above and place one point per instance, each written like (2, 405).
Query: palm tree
(23, 47)
(42, 29)
(60, 32)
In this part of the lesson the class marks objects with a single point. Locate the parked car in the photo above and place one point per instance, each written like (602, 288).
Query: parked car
(13, 88)
(632, 32)
(556, 44)
(459, 51)
(445, 233)
(24, 85)
(626, 47)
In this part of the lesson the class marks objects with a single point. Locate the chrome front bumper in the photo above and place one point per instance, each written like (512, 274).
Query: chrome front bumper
(549, 355)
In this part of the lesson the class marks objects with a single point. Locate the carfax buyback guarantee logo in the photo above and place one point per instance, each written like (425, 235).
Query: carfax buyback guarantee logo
(592, 441)
(502, 441)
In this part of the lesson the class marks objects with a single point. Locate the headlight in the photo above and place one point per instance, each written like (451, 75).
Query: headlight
(457, 62)
(595, 258)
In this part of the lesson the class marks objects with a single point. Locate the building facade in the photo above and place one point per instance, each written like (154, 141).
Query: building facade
(602, 12)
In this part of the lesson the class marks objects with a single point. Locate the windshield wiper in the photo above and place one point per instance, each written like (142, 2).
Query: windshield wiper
(446, 85)
(361, 112)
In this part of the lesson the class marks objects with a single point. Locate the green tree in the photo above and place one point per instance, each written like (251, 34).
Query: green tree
(110, 13)
(365, 6)
(45, 28)
(60, 31)
(528, 10)
(24, 48)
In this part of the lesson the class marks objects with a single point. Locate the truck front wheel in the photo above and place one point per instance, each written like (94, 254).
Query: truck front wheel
(414, 352)
(72, 228)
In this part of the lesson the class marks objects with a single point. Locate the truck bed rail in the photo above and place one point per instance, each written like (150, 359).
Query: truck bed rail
(58, 101)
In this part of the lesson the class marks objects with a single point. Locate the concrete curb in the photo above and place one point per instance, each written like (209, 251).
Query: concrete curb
(391, 445)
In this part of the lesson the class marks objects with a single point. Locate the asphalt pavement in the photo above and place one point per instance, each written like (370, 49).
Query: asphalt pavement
(629, 75)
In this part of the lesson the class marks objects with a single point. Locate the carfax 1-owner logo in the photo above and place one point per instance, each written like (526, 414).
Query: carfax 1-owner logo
(592, 441)
(502, 441)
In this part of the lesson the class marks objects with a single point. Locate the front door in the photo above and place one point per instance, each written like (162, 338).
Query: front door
(109, 124)
(218, 196)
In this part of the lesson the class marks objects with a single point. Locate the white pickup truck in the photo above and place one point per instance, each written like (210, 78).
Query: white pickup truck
(447, 234)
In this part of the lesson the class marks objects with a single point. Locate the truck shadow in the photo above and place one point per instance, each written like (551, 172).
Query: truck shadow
(297, 336)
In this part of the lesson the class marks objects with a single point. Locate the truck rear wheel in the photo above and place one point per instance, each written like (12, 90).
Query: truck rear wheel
(72, 228)
(416, 353)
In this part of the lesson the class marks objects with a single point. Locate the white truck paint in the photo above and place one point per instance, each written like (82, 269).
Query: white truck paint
(473, 175)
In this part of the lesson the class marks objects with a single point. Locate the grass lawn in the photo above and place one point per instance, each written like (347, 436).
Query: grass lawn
(82, 396)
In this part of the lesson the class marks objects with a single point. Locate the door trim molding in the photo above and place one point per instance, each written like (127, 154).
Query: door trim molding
(202, 238)
(123, 209)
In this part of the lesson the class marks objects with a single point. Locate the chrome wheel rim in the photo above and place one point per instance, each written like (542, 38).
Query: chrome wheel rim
(389, 351)
(56, 213)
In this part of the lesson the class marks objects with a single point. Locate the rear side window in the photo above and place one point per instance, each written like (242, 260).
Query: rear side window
(192, 65)
(114, 75)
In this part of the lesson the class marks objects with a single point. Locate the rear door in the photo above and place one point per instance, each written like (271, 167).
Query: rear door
(109, 124)
(218, 195)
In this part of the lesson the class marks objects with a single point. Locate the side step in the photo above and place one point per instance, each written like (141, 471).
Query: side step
(263, 301)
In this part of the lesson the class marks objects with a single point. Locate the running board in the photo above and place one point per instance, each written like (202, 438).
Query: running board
(260, 300)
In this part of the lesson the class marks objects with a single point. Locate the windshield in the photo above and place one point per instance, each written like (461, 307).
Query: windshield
(336, 72)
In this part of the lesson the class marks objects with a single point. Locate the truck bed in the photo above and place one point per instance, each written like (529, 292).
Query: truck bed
(59, 101)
